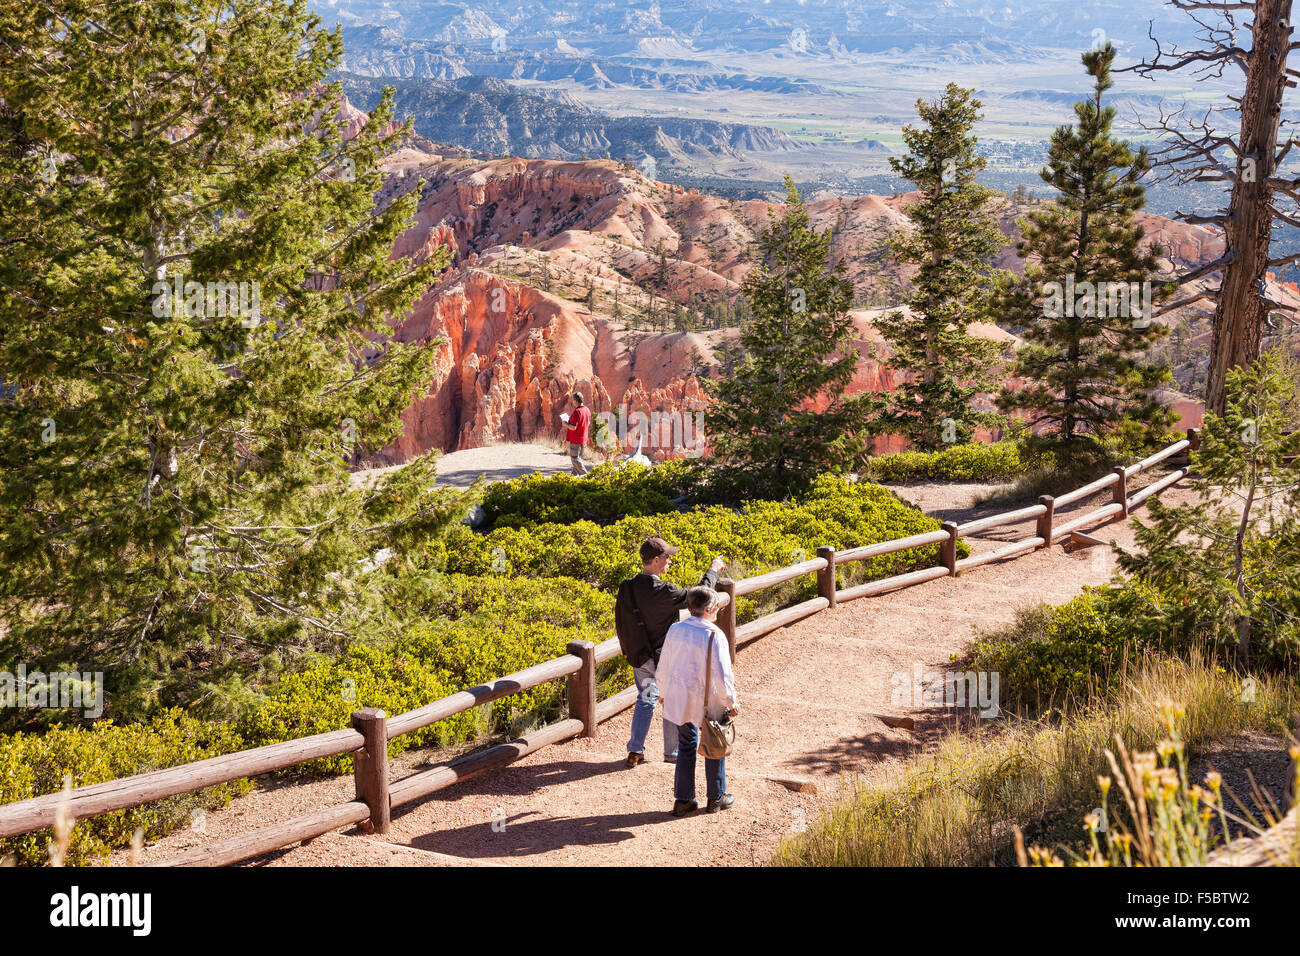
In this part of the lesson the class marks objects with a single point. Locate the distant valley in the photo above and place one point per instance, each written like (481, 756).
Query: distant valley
(728, 95)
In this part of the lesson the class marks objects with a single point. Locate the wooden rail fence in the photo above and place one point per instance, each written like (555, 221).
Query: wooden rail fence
(371, 729)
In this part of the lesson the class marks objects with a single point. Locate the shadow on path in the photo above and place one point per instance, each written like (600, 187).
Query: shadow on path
(853, 754)
(521, 778)
(519, 836)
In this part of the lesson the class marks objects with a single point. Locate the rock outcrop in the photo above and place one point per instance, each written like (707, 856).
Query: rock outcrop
(564, 276)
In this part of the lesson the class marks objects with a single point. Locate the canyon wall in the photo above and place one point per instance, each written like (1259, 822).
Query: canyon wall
(564, 274)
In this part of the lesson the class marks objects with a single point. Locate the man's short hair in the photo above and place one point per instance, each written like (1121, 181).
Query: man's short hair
(577, 397)
(701, 600)
(652, 548)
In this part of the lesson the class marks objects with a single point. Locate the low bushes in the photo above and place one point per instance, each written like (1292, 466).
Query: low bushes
(760, 537)
(606, 494)
(1052, 656)
(35, 764)
(1050, 467)
(484, 628)
(976, 461)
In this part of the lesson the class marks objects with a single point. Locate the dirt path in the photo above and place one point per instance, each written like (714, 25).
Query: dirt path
(494, 462)
(808, 693)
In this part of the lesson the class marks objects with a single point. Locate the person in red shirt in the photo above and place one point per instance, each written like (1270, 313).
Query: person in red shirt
(579, 426)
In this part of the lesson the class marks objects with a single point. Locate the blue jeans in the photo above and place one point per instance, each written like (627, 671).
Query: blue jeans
(715, 771)
(644, 710)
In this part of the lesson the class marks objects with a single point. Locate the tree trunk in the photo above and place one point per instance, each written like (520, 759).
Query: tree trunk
(1241, 311)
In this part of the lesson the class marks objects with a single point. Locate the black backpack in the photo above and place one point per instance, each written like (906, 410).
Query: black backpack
(633, 635)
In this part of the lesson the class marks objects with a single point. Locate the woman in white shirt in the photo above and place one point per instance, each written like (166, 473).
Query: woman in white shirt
(681, 675)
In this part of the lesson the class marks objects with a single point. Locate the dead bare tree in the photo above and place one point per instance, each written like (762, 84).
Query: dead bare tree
(1246, 158)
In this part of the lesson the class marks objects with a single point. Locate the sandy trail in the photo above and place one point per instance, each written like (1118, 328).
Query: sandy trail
(809, 693)
(493, 462)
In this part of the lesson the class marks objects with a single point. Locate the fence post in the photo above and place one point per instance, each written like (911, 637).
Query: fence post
(727, 619)
(826, 576)
(582, 686)
(370, 767)
(948, 549)
(1194, 438)
(1121, 490)
(1045, 520)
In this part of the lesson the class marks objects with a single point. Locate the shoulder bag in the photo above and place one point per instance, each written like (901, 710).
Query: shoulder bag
(716, 737)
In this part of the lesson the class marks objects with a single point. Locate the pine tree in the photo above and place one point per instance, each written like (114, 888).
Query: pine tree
(175, 499)
(1229, 561)
(952, 245)
(1084, 302)
(766, 434)
(662, 278)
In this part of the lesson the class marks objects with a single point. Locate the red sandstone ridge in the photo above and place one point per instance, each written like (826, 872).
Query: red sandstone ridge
(565, 275)
(513, 356)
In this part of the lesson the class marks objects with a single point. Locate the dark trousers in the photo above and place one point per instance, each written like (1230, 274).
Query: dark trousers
(715, 771)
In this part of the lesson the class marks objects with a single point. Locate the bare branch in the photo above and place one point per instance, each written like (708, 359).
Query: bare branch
(1220, 218)
(1205, 269)
(1171, 306)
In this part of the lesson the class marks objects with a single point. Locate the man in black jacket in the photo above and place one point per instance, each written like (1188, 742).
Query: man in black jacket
(647, 606)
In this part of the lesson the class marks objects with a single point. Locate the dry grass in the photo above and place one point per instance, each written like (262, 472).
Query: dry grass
(961, 805)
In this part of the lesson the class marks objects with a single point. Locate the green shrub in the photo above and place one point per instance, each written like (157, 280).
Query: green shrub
(323, 697)
(1052, 656)
(606, 494)
(976, 461)
(32, 765)
(762, 536)
(479, 629)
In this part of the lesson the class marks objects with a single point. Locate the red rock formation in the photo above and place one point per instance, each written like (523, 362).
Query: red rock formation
(513, 356)
(598, 233)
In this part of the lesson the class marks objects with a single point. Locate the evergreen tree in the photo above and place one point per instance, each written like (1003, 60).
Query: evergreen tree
(766, 434)
(1086, 266)
(175, 501)
(952, 245)
(1229, 562)
(662, 279)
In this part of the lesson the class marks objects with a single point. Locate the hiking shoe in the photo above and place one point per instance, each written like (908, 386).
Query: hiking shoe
(672, 759)
(683, 807)
(634, 759)
(723, 802)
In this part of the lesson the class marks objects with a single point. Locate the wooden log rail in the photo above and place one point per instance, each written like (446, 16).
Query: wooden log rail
(366, 739)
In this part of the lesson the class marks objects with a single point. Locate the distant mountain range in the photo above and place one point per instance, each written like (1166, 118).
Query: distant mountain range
(729, 95)
(383, 51)
(486, 114)
(668, 29)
